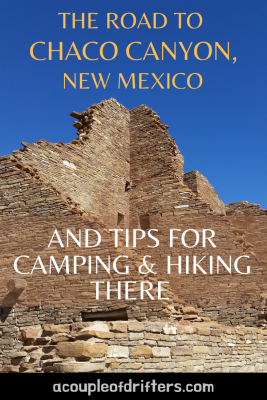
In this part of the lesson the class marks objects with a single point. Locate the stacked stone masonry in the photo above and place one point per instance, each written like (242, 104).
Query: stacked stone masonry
(124, 171)
(133, 346)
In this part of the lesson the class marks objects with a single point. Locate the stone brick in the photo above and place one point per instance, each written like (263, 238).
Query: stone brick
(189, 310)
(87, 333)
(29, 334)
(97, 326)
(203, 331)
(81, 349)
(131, 366)
(214, 351)
(136, 335)
(169, 330)
(141, 351)
(153, 327)
(79, 367)
(200, 349)
(181, 351)
(161, 352)
(60, 337)
(118, 326)
(135, 326)
(118, 351)
(51, 329)
(120, 335)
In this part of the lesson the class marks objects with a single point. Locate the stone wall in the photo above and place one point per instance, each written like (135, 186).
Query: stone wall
(217, 287)
(200, 185)
(92, 170)
(244, 208)
(156, 164)
(23, 192)
(132, 346)
(30, 236)
(123, 167)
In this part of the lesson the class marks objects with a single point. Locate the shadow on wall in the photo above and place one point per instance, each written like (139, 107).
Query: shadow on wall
(16, 292)
(4, 313)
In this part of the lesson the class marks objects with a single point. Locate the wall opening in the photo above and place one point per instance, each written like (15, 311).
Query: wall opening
(120, 219)
(144, 222)
(114, 315)
(127, 186)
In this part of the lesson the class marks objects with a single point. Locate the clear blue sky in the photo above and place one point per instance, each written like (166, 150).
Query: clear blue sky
(220, 128)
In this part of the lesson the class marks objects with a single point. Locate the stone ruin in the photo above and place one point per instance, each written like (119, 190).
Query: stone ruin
(124, 171)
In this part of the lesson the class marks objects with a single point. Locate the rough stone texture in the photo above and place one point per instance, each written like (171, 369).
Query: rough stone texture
(238, 350)
(118, 351)
(122, 171)
(81, 349)
(29, 334)
(244, 208)
(16, 285)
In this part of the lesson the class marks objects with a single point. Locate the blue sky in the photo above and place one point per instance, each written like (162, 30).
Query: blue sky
(220, 128)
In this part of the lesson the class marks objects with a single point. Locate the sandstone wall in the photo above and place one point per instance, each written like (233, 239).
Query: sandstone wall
(92, 170)
(47, 185)
(23, 192)
(30, 236)
(244, 208)
(132, 346)
(156, 164)
(200, 185)
(229, 298)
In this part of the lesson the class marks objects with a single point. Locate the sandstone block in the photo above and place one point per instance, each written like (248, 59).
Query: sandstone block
(189, 310)
(136, 335)
(153, 327)
(152, 336)
(42, 340)
(131, 366)
(118, 351)
(118, 326)
(214, 351)
(181, 351)
(60, 337)
(161, 351)
(169, 330)
(27, 366)
(135, 326)
(51, 329)
(215, 339)
(36, 354)
(87, 333)
(142, 351)
(203, 331)
(185, 329)
(79, 367)
(121, 335)
(29, 334)
(98, 326)
(215, 332)
(76, 326)
(200, 349)
(81, 349)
